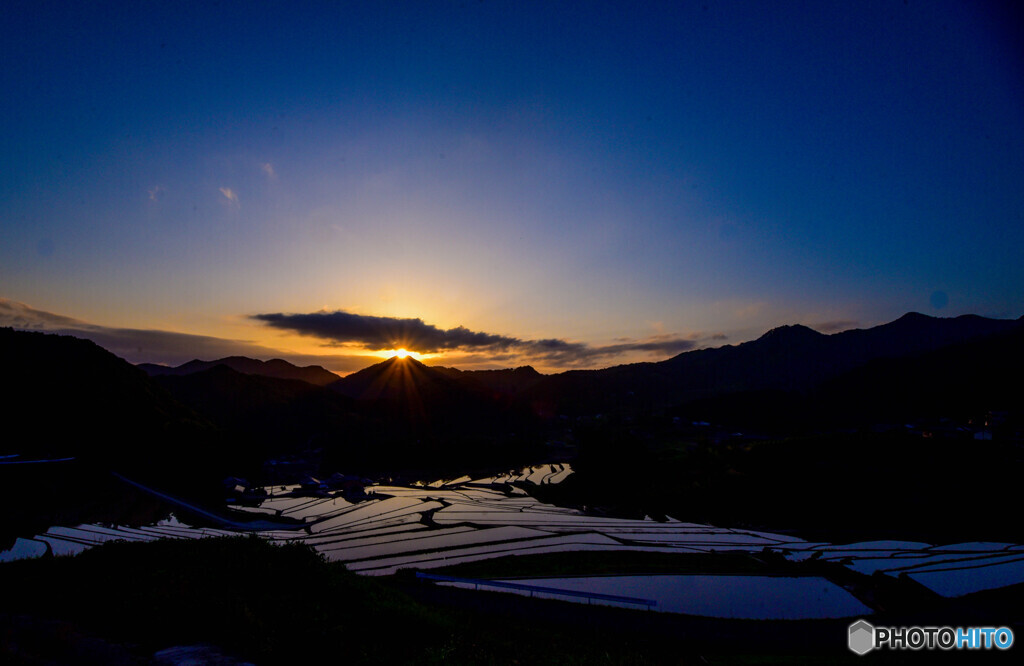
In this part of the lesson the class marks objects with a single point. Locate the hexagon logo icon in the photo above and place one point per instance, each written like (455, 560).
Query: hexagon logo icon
(862, 637)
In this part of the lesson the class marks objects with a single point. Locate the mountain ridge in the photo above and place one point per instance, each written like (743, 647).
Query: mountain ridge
(423, 411)
(792, 358)
(276, 367)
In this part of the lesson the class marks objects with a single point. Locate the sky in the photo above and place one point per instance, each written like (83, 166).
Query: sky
(493, 184)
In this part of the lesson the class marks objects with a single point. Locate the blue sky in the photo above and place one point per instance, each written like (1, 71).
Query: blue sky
(619, 182)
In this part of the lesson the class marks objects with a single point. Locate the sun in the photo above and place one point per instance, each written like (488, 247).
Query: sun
(399, 353)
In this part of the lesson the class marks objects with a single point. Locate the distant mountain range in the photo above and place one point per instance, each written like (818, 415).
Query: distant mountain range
(793, 361)
(74, 396)
(822, 421)
(68, 396)
(281, 369)
(789, 359)
(268, 412)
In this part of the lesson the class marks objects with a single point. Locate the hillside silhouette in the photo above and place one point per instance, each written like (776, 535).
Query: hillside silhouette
(409, 381)
(75, 398)
(428, 416)
(789, 360)
(72, 397)
(277, 368)
(272, 416)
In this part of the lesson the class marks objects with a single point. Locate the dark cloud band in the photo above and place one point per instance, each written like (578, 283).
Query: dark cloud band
(384, 332)
(377, 333)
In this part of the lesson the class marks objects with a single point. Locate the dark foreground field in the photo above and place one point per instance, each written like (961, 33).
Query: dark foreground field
(122, 603)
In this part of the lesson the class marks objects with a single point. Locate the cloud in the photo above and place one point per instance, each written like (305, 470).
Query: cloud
(156, 192)
(379, 333)
(342, 329)
(162, 347)
(134, 345)
(562, 353)
(268, 169)
(21, 316)
(835, 326)
(230, 195)
(659, 344)
(383, 332)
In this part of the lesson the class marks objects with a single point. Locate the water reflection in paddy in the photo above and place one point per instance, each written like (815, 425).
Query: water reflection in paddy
(23, 549)
(440, 523)
(739, 597)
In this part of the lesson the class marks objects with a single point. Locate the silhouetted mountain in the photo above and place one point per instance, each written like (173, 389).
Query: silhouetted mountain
(436, 400)
(965, 379)
(281, 369)
(786, 360)
(796, 358)
(398, 379)
(509, 382)
(277, 415)
(69, 393)
(910, 437)
(67, 396)
(421, 387)
(409, 383)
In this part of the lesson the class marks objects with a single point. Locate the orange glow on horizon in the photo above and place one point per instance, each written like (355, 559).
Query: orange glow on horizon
(401, 353)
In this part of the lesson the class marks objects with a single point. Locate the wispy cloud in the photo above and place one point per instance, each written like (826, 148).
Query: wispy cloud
(155, 346)
(342, 331)
(268, 169)
(156, 192)
(835, 326)
(24, 317)
(379, 333)
(230, 195)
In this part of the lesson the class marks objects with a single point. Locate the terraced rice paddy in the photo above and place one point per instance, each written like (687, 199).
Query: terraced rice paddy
(464, 520)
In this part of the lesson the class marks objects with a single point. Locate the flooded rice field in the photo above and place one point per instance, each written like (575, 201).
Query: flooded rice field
(748, 597)
(437, 524)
